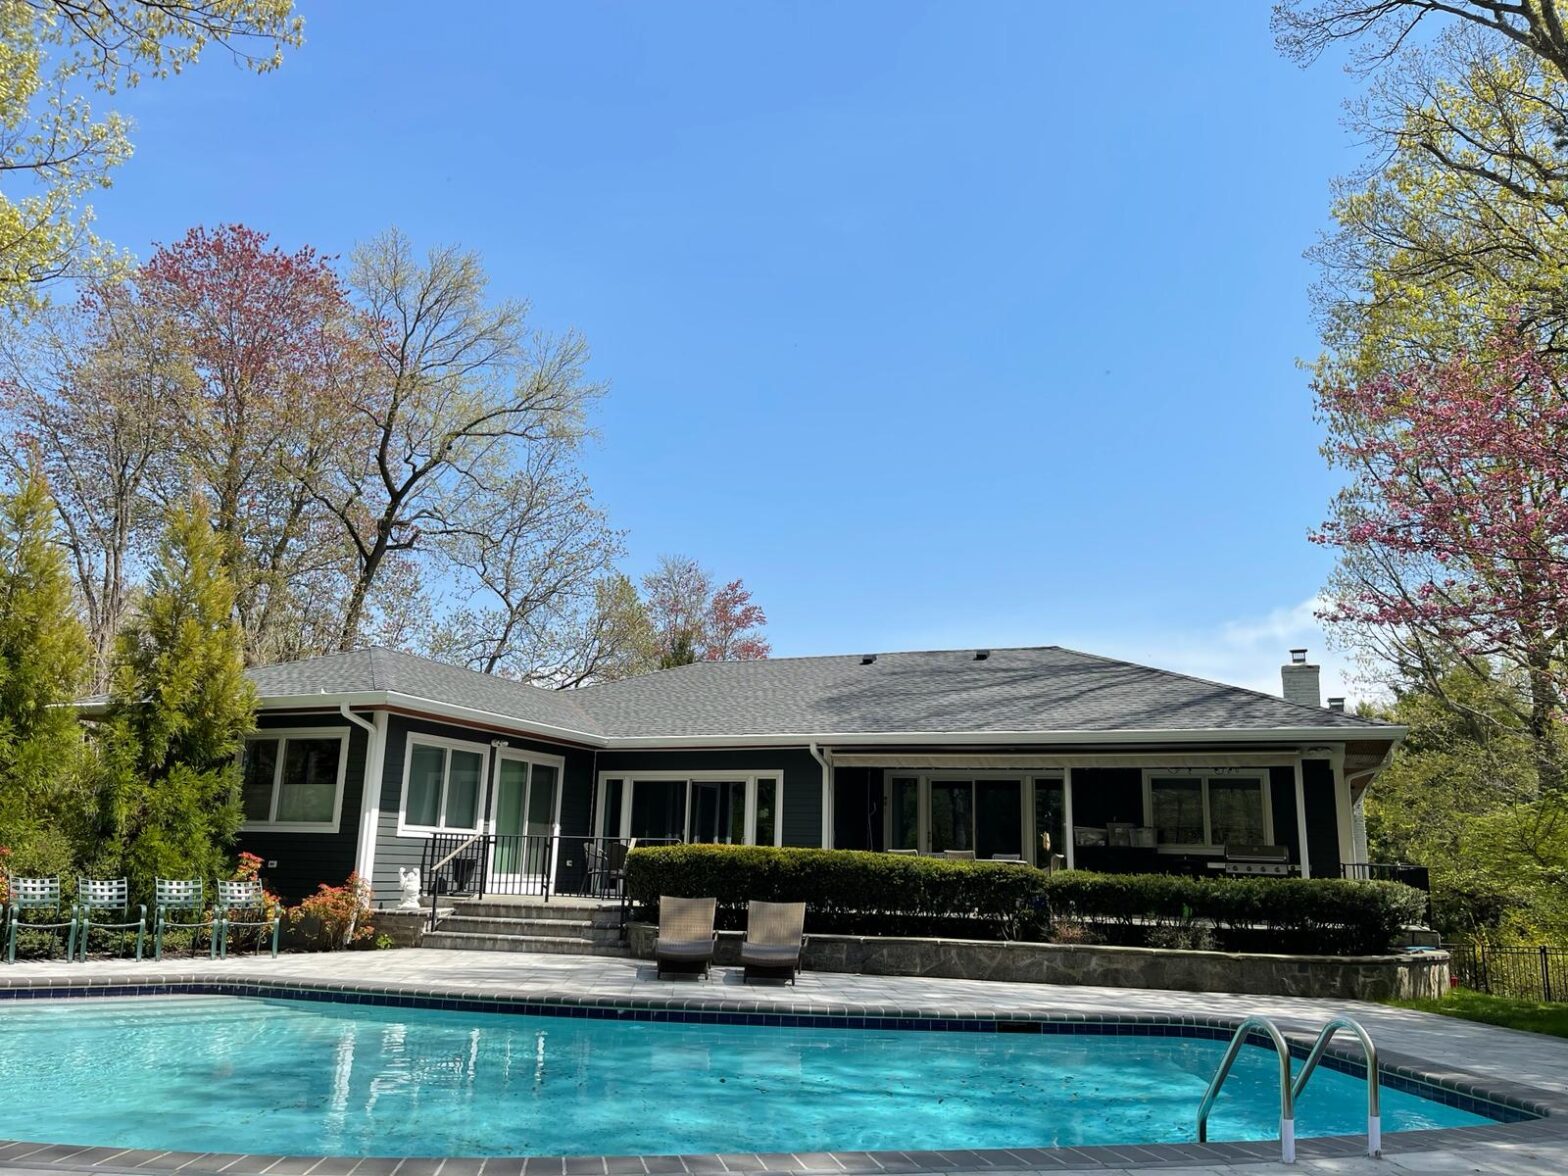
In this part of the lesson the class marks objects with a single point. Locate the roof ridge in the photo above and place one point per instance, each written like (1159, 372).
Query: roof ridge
(1281, 699)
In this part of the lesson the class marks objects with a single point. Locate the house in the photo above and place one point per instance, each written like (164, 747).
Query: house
(366, 760)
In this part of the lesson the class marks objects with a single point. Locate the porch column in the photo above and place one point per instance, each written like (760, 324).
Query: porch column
(1067, 814)
(1301, 820)
(370, 797)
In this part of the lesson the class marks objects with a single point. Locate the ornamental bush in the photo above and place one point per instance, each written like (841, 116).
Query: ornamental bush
(853, 892)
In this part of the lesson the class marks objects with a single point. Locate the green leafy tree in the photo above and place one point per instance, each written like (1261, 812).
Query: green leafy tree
(1463, 796)
(180, 708)
(55, 149)
(44, 659)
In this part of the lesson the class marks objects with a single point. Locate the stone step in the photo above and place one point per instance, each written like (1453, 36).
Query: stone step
(603, 914)
(486, 924)
(537, 944)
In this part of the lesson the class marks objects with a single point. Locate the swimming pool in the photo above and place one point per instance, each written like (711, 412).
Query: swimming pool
(228, 1074)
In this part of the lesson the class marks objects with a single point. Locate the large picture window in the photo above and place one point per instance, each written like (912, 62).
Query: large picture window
(994, 814)
(443, 782)
(292, 781)
(1197, 810)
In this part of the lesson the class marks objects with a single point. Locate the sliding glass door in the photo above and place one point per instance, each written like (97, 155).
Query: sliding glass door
(713, 808)
(997, 815)
(524, 816)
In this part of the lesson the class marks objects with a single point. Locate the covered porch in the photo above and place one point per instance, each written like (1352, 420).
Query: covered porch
(1285, 813)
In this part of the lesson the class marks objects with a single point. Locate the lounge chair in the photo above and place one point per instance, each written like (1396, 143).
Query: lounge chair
(959, 855)
(244, 897)
(906, 852)
(686, 935)
(41, 895)
(774, 940)
(111, 896)
(176, 899)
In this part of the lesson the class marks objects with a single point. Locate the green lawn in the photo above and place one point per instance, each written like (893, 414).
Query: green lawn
(1532, 1015)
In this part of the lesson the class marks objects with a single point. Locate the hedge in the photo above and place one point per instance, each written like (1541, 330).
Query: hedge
(855, 892)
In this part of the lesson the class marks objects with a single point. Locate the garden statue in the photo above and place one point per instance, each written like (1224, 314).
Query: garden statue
(408, 883)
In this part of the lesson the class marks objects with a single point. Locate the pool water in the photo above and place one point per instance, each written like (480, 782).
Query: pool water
(232, 1074)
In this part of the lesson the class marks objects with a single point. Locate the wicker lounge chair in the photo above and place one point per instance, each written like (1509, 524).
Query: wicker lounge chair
(686, 936)
(109, 896)
(774, 940)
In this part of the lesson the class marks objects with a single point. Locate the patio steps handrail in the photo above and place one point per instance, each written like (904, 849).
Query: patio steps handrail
(456, 852)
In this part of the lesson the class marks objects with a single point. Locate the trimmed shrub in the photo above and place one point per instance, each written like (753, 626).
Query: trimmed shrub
(845, 890)
(853, 892)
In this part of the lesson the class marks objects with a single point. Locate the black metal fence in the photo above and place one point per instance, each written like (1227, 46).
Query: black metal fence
(461, 865)
(1418, 876)
(1526, 973)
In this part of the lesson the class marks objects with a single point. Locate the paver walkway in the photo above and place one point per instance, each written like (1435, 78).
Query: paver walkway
(1485, 1052)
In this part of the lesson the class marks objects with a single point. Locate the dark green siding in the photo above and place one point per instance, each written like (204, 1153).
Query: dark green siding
(1317, 786)
(306, 859)
(394, 852)
(1103, 795)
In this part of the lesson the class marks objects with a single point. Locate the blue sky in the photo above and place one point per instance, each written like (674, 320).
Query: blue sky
(938, 323)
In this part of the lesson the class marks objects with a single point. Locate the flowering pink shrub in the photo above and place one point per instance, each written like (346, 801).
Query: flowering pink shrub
(341, 912)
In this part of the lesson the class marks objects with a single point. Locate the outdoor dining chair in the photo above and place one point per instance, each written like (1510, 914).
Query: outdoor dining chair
(110, 898)
(41, 896)
(686, 936)
(245, 898)
(959, 855)
(180, 903)
(774, 940)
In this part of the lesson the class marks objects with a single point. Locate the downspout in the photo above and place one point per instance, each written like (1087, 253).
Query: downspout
(821, 756)
(370, 790)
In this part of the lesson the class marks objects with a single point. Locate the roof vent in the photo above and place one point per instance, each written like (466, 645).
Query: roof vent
(982, 654)
(867, 658)
(1337, 704)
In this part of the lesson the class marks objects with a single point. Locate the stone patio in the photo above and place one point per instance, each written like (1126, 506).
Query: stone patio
(1501, 1060)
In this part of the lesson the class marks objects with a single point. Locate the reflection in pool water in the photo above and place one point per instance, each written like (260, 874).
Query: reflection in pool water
(233, 1074)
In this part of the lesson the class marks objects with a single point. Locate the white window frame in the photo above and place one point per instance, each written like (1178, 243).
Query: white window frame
(1204, 775)
(749, 778)
(480, 801)
(1026, 777)
(282, 735)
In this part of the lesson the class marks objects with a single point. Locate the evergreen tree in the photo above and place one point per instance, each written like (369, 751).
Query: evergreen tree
(180, 708)
(44, 657)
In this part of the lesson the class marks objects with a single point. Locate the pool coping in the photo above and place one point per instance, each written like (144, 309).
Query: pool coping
(1398, 1071)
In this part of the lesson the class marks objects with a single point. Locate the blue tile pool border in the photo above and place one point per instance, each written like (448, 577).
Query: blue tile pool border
(1516, 1112)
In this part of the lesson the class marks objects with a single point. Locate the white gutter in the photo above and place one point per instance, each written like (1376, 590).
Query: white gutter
(370, 788)
(823, 758)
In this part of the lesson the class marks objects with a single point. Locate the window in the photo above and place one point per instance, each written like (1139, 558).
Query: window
(293, 781)
(904, 814)
(443, 782)
(1196, 811)
(713, 807)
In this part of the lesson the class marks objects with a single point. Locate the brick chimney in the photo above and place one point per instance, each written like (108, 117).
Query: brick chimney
(1299, 679)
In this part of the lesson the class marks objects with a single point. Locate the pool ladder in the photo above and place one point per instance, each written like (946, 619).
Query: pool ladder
(1290, 1091)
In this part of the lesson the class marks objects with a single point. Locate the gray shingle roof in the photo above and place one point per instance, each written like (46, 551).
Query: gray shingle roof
(374, 670)
(1044, 689)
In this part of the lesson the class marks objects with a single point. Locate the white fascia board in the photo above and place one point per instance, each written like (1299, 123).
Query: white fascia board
(428, 706)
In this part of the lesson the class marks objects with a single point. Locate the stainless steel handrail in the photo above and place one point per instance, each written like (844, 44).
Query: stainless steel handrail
(1287, 1103)
(1320, 1046)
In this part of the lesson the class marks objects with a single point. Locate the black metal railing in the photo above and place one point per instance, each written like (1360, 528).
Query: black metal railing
(1418, 876)
(1525, 973)
(536, 865)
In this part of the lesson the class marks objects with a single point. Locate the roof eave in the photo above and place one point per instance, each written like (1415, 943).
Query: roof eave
(1392, 734)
